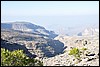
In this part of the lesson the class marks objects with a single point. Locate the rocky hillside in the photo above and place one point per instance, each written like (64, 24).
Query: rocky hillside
(88, 52)
(14, 46)
(35, 43)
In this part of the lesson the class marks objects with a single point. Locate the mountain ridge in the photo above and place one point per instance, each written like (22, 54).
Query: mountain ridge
(28, 27)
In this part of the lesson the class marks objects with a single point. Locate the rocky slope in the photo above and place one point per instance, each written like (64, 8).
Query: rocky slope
(14, 46)
(35, 43)
(89, 58)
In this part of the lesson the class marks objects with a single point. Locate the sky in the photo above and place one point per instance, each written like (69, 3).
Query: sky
(53, 15)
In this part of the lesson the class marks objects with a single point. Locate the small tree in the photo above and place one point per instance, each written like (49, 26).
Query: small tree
(17, 58)
(75, 52)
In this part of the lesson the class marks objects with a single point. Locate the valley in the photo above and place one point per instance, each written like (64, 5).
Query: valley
(52, 49)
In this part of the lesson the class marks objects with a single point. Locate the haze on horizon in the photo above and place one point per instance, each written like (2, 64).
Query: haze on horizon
(53, 15)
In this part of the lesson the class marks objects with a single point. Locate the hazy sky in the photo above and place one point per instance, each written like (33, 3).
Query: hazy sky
(53, 15)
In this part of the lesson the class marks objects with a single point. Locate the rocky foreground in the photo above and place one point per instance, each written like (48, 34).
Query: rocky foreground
(90, 57)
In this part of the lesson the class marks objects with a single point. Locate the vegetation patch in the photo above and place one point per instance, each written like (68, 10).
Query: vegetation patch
(17, 58)
(75, 52)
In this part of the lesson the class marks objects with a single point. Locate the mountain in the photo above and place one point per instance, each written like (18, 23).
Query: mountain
(36, 39)
(89, 32)
(34, 43)
(42, 44)
(28, 27)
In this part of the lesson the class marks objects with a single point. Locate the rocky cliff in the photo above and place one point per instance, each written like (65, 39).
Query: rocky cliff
(28, 27)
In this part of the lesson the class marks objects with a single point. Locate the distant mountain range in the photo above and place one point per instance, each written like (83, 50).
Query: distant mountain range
(28, 27)
(89, 32)
(32, 28)
(86, 31)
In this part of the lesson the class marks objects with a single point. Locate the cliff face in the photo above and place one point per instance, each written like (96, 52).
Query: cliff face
(34, 43)
(28, 27)
(25, 26)
(20, 25)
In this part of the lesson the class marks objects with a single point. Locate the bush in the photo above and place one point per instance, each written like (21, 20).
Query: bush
(17, 58)
(75, 52)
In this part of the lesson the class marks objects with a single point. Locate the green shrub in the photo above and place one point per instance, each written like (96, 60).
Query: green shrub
(75, 52)
(17, 58)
